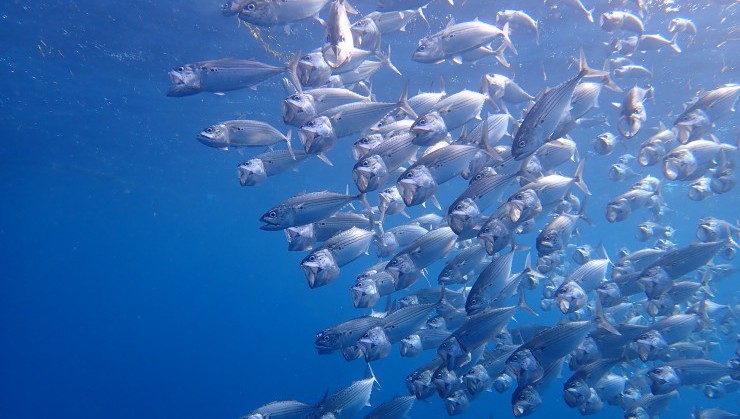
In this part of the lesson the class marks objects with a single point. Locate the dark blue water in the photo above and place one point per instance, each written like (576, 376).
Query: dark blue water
(135, 281)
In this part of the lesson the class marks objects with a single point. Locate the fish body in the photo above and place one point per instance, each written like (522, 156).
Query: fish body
(305, 209)
(279, 13)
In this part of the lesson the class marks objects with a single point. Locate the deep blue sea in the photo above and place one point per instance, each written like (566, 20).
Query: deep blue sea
(136, 282)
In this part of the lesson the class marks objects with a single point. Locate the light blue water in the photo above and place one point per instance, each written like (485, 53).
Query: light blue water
(136, 282)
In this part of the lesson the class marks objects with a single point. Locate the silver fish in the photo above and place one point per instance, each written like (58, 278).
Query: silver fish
(305, 209)
(322, 265)
(277, 13)
(396, 408)
(288, 409)
(256, 170)
(632, 112)
(339, 44)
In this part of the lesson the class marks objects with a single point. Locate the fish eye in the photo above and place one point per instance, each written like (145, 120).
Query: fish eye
(459, 207)
(522, 144)
(312, 258)
(365, 163)
(423, 121)
(364, 140)
(306, 58)
(409, 175)
(421, 48)
(519, 197)
(209, 130)
(486, 230)
(296, 97)
(272, 214)
(325, 338)
(310, 123)
(250, 7)
(180, 69)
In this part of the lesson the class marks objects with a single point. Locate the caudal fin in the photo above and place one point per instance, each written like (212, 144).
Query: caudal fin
(674, 45)
(288, 136)
(507, 41)
(585, 70)
(386, 59)
(292, 70)
(578, 177)
(403, 102)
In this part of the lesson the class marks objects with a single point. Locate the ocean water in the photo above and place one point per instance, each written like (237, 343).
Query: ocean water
(135, 280)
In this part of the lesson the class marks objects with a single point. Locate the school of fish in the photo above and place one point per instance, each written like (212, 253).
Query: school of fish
(636, 326)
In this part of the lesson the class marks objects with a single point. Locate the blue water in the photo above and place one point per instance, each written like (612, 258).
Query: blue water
(135, 281)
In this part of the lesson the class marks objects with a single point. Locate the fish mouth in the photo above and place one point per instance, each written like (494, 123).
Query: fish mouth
(564, 306)
(672, 169)
(270, 226)
(518, 411)
(407, 188)
(458, 221)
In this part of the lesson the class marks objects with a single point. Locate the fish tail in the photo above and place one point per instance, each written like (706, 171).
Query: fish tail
(421, 13)
(403, 102)
(582, 213)
(585, 70)
(673, 43)
(609, 83)
(386, 59)
(292, 70)
(601, 320)
(507, 41)
(705, 278)
(523, 304)
(288, 136)
(500, 57)
(589, 15)
(578, 177)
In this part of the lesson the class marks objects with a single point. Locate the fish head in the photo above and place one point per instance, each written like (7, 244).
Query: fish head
(645, 232)
(650, 155)
(715, 390)
(457, 403)
(420, 384)
(709, 230)
(416, 185)
(679, 164)
(338, 49)
(300, 238)
(411, 346)
(328, 341)
(700, 189)
(251, 172)
(233, 7)
(618, 210)
(576, 393)
(370, 173)
(723, 181)
(350, 353)
(312, 70)
(477, 380)
(390, 200)
(476, 303)
(582, 254)
(258, 12)
(362, 146)
(480, 160)
(495, 235)
(403, 270)
(530, 205)
(570, 297)
(592, 405)
(503, 382)
(728, 253)
(524, 144)
(408, 300)
(496, 85)
(385, 244)
(523, 366)
(429, 50)
(484, 173)
(617, 172)
(278, 218)
(609, 294)
(184, 81)
(610, 21)
(649, 345)
(216, 135)
(655, 281)
(444, 380)
(630, 397)
(696, 119)
(428, 129)
(548, 241)
(437, 322)
(298, 109)
(463, 215)
(586, 352)
(525, 401)
(317, 135)
(629, 125)
(365, 34)
(453, 353)
(320, 268)
(374, 344)
(663, 379)
(364, 293)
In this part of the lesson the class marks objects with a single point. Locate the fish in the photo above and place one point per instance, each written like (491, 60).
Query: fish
(243, 133)
(393, 21)
(632, 114)
(347, 402)
(287, 409)
(624, 21)
(422, 340)
(322, 265)
(406, 265)
(520, 19)
(256, 170)
(305, 208)
(458, 38)
(396, 408)
(345, 334)
(337, 50)
(673, 374)
(279, 13)
(225, 75)
(557, 233)
(542, 119)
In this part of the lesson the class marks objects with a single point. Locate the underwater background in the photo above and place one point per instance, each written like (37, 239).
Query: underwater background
(135, 281)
